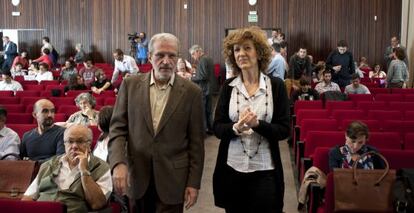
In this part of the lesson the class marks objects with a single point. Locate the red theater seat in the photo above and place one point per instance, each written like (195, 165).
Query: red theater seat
(20, 129)
(18, 206)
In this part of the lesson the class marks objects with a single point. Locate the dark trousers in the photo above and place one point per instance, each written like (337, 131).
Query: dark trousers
(207, 112)
(254, 192)
(151, 203)
(395, 85)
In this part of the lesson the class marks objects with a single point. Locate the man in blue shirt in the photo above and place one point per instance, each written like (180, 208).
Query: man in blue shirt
(277, 65)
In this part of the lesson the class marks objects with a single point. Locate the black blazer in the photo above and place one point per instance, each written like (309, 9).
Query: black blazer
(277, 130)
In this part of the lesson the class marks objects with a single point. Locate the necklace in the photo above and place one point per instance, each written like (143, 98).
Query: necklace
(259, 142)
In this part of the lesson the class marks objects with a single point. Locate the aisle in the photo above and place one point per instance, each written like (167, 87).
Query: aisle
(205, 202)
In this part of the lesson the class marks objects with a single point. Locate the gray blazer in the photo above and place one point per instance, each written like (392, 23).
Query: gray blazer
(174, 154)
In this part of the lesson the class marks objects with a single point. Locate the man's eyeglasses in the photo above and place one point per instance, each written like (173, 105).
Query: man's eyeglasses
(80, 142)
(45, 111)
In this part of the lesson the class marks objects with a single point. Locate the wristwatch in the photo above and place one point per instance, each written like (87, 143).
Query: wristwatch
(85, 173)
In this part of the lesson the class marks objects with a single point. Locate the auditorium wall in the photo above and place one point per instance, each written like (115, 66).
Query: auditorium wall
(103, 25)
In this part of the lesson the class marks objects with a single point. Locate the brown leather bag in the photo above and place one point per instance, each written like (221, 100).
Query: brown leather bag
(15, 177)
(358, 190)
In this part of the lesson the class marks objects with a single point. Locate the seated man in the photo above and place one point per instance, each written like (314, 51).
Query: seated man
(356, 87)
(8, 84)
(78, 179)
(326, 84)
(9, 140)
(46, 140)
(305, 92)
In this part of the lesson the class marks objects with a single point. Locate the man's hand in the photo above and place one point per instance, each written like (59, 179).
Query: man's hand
(190, 197)
(120, 179)
(337, 68)
(82, 157)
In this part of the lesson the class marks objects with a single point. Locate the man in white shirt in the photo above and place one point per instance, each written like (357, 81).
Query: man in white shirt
(8, 84)
(9, 139)
(83, 181)
(124, 64)
(327, 84)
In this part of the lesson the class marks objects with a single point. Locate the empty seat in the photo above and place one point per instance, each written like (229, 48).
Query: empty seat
(33, 87)
(409, 97)
(373, 125)
(389, 97)
(409, 141)
(107, 93)
(20, 129)
(307, 125)
(360, 97)
(332, 105)
(19, 118)
(402, 91)
(50, 82)
(96, 134)
(307, 105)
(100, 100)
(399, 159)
(29, 100)
(29, 82)
(311, 113)
(400, 105)
(68, 109)
(109, 101)
(9, 100)
(6, 93)
(28, 93)
(385, 140)
(402, 127)
(375, 91)
(371, 105)
(320, 159)
(382, 115)
(342, 114)
(409, 115)
(18, 206)
(59, 101)
(74, 93)
(14, 108)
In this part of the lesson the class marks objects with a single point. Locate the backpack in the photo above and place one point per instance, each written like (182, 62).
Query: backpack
(403, 194)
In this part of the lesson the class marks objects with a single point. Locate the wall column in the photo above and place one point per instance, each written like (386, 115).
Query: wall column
(407, 35)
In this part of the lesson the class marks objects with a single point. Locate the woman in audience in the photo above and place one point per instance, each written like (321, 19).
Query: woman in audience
(377, 72)
(252, 115)
(68, 70)
(183, 69)
(104, 118)
(75, 83)
(397, 70)
(355, 145)
(44, 74)
(87, 115)
(101, 83)
(45, 58)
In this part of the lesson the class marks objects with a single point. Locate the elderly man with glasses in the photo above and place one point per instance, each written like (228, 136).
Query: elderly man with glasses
(78, 179)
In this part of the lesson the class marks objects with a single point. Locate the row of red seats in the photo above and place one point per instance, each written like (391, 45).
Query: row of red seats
(13, 103)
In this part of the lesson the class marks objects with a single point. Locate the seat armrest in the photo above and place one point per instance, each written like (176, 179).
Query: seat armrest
(316, 195)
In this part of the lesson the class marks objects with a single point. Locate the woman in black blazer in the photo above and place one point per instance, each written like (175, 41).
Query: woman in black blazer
(252, 116)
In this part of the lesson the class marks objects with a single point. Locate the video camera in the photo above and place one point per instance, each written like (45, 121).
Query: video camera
(132, 36)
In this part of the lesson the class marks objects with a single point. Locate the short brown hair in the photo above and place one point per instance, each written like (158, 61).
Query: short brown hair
(399, 53)
(258, 37)
(357, 129)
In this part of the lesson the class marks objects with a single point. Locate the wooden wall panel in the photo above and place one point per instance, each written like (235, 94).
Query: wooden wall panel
(103, 25)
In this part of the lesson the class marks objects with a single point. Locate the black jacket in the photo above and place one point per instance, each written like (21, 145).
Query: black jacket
(277, 130)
